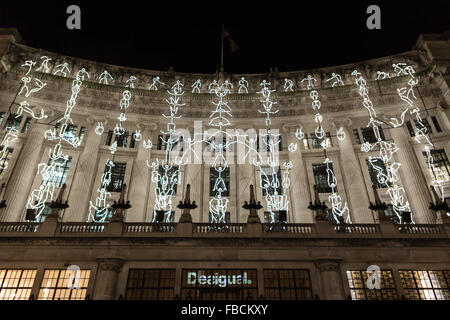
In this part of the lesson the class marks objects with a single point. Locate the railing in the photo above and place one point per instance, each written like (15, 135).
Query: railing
(148, 227)
(288, 228)
(81, 227)
(420, 228)
(19, 226)
(357, 228)
(219, 227)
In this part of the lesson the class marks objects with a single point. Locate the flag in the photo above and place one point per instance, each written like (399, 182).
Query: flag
(233, 45)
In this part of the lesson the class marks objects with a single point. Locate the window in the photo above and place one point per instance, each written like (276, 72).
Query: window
(132, 141)
(214, 183)
(369, 134)
(70, 132)
(159, 216)
(268, 218)
(426, 285)
(26, 125)
(287, 284)
(12, 122)
(117, 177)
(81, 133)
(270, 190)
(315, 142)
(109, 138)
(356, 136)
(357, 282)
(436, 124)
(227, 218)
(16, 284)
(410, 128)
(425, 123)
(4, 162)
(215, 284)
(2, 116)
(321, 177)
(172, 178)
(150, 284)
(57, 283)
(374, 173)
(62, 168)
(122, 140)
(440, 161)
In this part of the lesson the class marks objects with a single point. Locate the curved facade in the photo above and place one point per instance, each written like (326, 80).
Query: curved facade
(342, 110)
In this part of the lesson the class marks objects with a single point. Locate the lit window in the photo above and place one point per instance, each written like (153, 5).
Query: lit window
(426, 285)
(213, 176)
(440, 161)
(321, 177)
(274, 182)
(12, 122)
(26, 125)
(57, 284)
(357, 282)
(436, 124)
(150, 284)
(70, 132)
(425, 123)
(172, 178)
(287, 284)
(369, 134)
(117, 177)
(4, 162)
(16, 284)
(61, 170)
(374, 173)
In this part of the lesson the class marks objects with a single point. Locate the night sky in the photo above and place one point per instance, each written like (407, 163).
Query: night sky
(186, 35)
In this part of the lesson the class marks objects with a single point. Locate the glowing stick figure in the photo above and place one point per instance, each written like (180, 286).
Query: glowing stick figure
(44, 65)
(104, 77)
(154, 85)
(196, 86)
(226, 85)
(29, 64)
(62, 69)
(137, 135)
(243, 85)
(341, 134)
(399, 68)
(99, 128)
(337, 80)
(39, 86)
(288, 85)
(213, 86)
(130, 82)
(381, 75)
(177, 87)
(311, 80)
(25, 106)
(264, 84)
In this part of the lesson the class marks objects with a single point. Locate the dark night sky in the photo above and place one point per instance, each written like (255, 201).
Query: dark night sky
(186, 35)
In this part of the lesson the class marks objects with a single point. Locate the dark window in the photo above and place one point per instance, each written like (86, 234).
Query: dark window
(4, 162)
(410, 128)
(16, 284)
(369, 134)
(12, 122)
(160, 142)
(117, 177)
(109, 137)
(440, 161)
(81, 133)
(357, 281)
(374, 173)
(272, 185)
(287, 284)
(223, 284)
(159, 217)
(26, 125)
(60, 173)
(122, 140)
(172, 179)
(321, 177)
(436, 124)
(213, 176)
(150, 284)
(56, 285)
(426, 285)
(70, 132)
(280, 145)
(356, 135)
(425, 123)
(132, 141)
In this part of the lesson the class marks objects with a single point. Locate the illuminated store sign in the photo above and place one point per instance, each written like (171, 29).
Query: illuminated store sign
(217, 279)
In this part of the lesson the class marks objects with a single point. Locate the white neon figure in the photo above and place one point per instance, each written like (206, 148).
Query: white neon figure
(147, 144)
(292, 147)
(154, 85)
(8, 139)
(213, 86)
(130, 82)
(227, 86)
(399, 68)
(25, 106)
(103, 77)
(337, 80)
(299, 134)
(267, 103)
(288, 85)
(243, 86)
(137, 135)
(381, 75)
(28, 64)
(196, 86)
(264, 84)
(113, 147)
(99, 129)
(39, 86)
(44, 64)
(310, 81)
(122, 117)
(340, 134)
(63, 69)
(49, 172)
(100, 211)
(389, 178)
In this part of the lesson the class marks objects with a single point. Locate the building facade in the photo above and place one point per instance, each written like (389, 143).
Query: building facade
(143, 255)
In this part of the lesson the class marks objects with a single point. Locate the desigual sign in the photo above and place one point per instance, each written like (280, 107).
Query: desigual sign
(217, 279)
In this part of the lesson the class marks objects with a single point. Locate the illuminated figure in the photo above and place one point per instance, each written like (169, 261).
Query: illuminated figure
(29, 64)
(243, 86)
(310, 81)
(44, 64)
(130, 82)
(25, 106)
(288, 85)
(154, 85)
(227, 85)
(337, 80)
(39, 86)
(103, 78)
(381, 75)
(399, 68)
(63, 69)
(196, 86)
(213, 86)
(99, 128)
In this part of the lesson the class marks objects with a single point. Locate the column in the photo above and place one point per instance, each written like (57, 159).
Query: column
(299, 187)
(106, 278)
(412, 177)
(21, 179)
(353, 178)
(140, 177)
(83, 180)
(330, 279)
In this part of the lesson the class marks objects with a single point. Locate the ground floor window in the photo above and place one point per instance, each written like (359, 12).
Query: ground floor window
(16, 284)
(426, 285)
(287, 284)
(62, 284)
(357, 281)
(219, 284)
(150, 284)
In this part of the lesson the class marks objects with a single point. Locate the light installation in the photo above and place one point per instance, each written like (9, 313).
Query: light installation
(288, 85)
(340, 211)
(62, 69)
(386, 150)
(104, 76)
(243, 86)
(196, 86)
(57, 159)
(156, 82)
(44, 65)
(337, 80)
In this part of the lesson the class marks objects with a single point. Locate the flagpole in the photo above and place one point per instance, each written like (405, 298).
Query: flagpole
(221, 55)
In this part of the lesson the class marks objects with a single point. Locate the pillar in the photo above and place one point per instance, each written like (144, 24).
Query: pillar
(353, 178)
(412, 177)
(83, 181)
(21, 179)
(106, 279)
(140, 178)
(330, 279)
